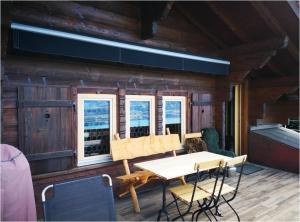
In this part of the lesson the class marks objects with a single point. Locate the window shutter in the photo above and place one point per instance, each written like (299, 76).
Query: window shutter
(202, 111)
(46, 127)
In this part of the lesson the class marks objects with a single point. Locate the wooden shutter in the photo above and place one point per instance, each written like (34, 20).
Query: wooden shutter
(202, 111)
(46, 127)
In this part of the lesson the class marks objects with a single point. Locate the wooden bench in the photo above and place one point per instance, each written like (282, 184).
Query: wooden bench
(130, 148)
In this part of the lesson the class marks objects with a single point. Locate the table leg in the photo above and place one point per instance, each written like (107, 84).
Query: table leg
(163, 208)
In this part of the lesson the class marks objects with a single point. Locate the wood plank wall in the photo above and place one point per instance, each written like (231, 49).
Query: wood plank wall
(262, 103)
(119, 20)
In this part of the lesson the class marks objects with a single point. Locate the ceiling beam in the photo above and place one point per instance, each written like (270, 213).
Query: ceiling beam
(195, 22)
(151, 12)
(284, 81)
(276, 69)
(166, 10)
(251, 56)
(294, 5)
(263, 45)
(274, 25)
(228, 19)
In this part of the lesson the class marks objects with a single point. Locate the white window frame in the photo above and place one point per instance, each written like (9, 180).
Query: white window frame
(151, 100)
(181, 99)
(81, 160)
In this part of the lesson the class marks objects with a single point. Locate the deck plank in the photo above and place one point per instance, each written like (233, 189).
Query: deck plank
(267, 195)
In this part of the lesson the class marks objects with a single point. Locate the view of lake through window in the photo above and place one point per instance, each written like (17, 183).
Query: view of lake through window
(173, 116)
(96, 127)
(139, 118)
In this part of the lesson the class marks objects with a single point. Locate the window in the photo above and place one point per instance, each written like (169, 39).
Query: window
(96, 126)
(140, 116)
(174, 115)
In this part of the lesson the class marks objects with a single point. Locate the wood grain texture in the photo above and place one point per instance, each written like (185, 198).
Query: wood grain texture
(267, 195)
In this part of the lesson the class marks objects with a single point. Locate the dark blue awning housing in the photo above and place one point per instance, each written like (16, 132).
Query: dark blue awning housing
(53, 42)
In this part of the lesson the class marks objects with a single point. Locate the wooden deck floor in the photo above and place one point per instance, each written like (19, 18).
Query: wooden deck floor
(267, 195)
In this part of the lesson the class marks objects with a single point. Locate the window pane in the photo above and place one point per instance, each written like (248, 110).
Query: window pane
(139, 118)
(96, 127)
(173, 116)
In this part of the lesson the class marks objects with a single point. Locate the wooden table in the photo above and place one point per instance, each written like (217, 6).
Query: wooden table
(173, 167)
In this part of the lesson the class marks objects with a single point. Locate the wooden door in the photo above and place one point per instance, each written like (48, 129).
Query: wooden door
(202, 111)
(46, 127)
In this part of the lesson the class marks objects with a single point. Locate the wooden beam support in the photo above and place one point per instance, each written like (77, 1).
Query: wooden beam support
(274, 25)
(195, 21)
(151, 12)
(251, 56)
(166, 10)
(294, 5)
(229, 19)
(275, 68)
(267, 44)
(288, 80)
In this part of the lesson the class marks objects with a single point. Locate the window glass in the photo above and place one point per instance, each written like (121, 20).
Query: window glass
(174, 113)
(96, 127)
(139, 118)
(173, 117)
(140, 115)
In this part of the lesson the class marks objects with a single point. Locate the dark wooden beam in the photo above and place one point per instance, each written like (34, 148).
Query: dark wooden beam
(274, 25)
(275, 68)
(284, 81)
(228, 19)
(294, 5)
(166, 10)
(249, 48)
(151, 12)
(252, 56)
(195, 21)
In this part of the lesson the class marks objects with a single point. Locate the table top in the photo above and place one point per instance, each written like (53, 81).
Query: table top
(177, 166)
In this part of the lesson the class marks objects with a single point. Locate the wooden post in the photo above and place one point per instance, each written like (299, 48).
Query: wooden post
(134, 199)
(132, 191)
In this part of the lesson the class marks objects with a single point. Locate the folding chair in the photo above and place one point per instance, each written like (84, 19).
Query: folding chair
(190, 193)
(227, 189)
(86, 199)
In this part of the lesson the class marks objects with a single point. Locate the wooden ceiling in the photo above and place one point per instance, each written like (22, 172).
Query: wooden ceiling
(228, 24)
(260, 38)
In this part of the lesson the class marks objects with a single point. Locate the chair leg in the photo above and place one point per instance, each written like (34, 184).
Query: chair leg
(232, 208)
(204, 213)
(180, 215)
(217, 212)
(199, 211)
(134, 198)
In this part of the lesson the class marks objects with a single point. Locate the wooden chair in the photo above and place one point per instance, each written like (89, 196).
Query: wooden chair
(190, 193)
(193, 143)
(228, 189)
(130, 148)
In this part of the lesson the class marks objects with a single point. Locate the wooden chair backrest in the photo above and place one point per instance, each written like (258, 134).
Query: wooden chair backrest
(208, 165)
(192, 135)
(129, 148)
(236, 161)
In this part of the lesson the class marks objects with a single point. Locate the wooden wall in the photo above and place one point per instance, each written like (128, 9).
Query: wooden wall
(43, 79)
(263, 94)
(280, 111)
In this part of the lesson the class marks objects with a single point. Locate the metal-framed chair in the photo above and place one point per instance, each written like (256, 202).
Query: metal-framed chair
(191, 193)
(228, 188)
(85, 199)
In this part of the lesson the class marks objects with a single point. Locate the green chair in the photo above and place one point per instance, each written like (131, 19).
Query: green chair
(211, 137)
